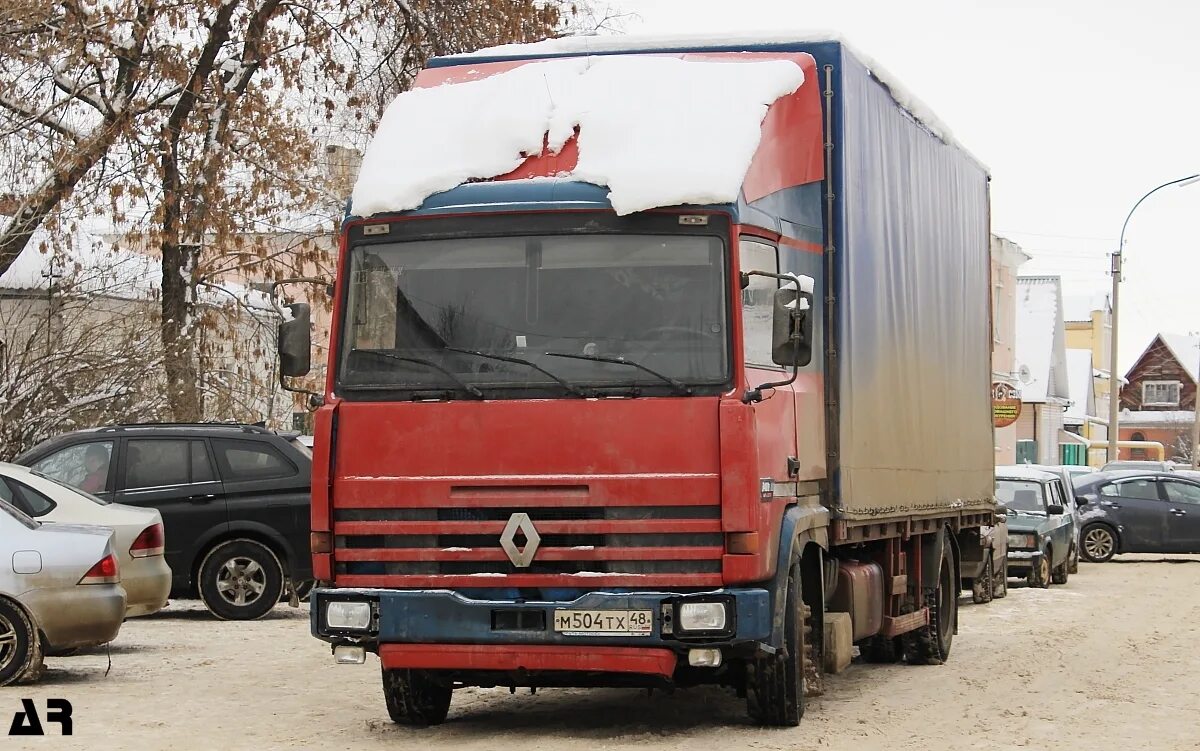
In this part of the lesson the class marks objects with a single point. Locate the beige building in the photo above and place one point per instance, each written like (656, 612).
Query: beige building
(1007, 257)
(1088, 321)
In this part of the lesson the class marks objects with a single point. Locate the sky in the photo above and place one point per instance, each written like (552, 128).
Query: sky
(1077, 107)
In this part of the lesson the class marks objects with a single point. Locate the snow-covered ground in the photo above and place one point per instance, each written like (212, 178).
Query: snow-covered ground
(1104, 662)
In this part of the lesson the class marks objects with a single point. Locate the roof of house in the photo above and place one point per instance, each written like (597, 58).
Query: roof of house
(1081, 307)
(1080, 377)
(1040, 350)
(1156, 418)
(1186, 350)
(94, 265)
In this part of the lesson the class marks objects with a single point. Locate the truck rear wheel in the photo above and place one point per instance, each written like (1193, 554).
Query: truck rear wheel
(776, 683)
(982, 587)
(415, 697)
(930, 644)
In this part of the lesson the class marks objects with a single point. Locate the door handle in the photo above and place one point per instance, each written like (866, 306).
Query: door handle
(203, 498)
(1178, 512)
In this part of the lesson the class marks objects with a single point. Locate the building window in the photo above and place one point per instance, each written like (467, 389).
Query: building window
(1160, 394)
(1138, 453)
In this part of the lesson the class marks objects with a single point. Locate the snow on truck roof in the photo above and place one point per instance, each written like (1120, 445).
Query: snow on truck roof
(645, 126)
(746, 40)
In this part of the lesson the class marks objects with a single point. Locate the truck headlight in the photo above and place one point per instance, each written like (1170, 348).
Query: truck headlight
(1022, 541)
(348, 615)
(702, 616)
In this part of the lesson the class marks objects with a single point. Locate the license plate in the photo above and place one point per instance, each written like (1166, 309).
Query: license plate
(604, 622)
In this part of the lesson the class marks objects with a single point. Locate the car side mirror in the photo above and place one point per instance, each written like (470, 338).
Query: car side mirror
(295, 341)
(1080, 501)
(1055, 510)
(791, 322)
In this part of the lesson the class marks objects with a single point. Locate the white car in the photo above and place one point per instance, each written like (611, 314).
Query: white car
(138, 532)
(60, 589)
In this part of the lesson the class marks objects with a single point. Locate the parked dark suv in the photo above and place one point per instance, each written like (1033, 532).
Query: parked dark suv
(234, 501)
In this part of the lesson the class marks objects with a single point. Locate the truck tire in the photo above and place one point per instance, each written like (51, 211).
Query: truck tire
(1099, 543)
(240, 580)
(776, 683)
(1039, 575)
(882, 650)
(930, 644)
(1060, 573)
(20, 645)
(415, 697)
(1000, 583)
(981, 588)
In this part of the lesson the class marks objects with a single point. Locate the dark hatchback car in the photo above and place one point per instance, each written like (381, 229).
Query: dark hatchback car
(234, 501)
(1139, 512)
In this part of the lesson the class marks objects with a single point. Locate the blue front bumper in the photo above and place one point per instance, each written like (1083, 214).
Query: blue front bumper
(447, 617)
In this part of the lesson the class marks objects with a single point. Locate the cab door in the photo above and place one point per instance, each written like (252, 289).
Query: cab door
(1140, 509)
(1183, 510)
(1062, 532)
(177, 477)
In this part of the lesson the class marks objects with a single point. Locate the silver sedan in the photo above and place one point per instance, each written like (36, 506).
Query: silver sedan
(60, 588)
(137, 532)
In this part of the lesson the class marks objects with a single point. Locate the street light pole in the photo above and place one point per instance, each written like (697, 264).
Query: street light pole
(1114, 380)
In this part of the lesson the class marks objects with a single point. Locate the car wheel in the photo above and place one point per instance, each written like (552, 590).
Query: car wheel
(416, 697)
(982, 587)
(1099, 543)
(20, 645)
(1039, 575)
(1073, 560)
(1060, 573)
(240, 580)
(930, 645)
(1000, 582)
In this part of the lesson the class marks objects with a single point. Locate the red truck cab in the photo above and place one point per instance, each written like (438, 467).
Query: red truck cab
(565, 447)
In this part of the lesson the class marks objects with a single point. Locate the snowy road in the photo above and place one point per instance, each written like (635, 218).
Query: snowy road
(1110, 661)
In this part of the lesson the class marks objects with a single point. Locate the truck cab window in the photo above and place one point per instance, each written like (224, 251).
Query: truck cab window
(757, 301)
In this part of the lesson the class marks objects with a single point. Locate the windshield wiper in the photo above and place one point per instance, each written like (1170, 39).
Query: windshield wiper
(570, 387)
(427, 363)
(680, 388)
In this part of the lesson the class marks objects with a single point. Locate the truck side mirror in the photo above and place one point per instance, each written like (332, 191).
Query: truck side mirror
(295, 341)
(791, 323)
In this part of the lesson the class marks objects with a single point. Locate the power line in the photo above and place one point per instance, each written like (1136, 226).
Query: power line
(1063, 237)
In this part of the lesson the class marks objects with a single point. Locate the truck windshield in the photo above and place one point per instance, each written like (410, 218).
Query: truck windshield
(656, 300)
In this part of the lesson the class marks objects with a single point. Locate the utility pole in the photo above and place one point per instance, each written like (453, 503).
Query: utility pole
(1114, 378)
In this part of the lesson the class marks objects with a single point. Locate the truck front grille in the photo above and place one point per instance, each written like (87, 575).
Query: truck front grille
(580, 546)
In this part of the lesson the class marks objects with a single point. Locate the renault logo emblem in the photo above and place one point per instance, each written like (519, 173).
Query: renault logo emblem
(520, 557)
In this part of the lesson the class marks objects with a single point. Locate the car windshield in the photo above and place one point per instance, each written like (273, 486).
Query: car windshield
(1022, 496)
(474, 315)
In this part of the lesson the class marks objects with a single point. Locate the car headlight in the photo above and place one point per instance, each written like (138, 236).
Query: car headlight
(348, 615)
(1022, 541)
(702, 616)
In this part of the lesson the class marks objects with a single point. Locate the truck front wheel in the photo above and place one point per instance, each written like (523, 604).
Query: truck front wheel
(776, 683)
(415, 697)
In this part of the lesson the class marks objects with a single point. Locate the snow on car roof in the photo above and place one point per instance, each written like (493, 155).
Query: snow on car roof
(648, 129)
(1019, 472)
